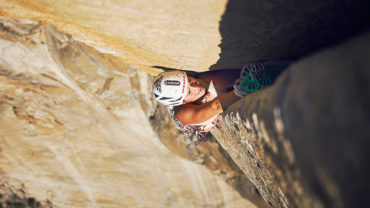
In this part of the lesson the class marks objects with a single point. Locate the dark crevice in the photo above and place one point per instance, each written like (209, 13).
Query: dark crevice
(287, 29)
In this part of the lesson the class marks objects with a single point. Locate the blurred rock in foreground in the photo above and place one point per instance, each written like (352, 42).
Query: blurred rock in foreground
(304, 142)
(74, 129)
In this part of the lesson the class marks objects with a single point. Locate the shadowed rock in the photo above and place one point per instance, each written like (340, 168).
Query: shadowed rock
(304, 141)
(287, 29)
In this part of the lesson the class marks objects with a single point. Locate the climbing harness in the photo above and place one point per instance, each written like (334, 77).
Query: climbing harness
(197, 131)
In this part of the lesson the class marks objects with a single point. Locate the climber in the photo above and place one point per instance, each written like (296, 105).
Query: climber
(195, 100)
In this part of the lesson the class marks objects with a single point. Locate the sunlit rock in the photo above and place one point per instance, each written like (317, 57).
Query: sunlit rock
(194, 35)
(177, 34)
(74, 129)
(74, 123)
(13, 193)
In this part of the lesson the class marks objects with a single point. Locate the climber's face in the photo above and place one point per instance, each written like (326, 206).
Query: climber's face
(195, 90)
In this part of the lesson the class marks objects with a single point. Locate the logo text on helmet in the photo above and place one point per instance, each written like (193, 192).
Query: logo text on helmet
(172, 82)
(157, 84)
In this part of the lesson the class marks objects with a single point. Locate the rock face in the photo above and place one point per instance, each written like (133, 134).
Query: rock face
(287, 29)
(209, 153)
(74, 123)
(193, 35)
(74, 130)
(14, 194)
(177, 34)
(304, 141)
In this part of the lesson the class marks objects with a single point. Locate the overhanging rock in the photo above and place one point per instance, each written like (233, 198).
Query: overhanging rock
(304, 141)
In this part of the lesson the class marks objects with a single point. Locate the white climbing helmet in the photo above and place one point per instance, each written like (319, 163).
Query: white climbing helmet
(170, 88)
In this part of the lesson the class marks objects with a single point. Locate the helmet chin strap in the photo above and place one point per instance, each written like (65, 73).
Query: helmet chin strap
(210, 87)
(203, 83)
(210, 90)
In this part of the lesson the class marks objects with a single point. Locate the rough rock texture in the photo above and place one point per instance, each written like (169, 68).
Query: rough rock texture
(304, 142)
(73, 108)
(13, 194)
(74, 129)
(208, 153)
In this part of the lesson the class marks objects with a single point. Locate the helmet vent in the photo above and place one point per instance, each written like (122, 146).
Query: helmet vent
(177, 100)
(164, 98)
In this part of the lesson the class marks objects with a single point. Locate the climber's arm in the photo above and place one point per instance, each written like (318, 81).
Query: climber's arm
(193, 114)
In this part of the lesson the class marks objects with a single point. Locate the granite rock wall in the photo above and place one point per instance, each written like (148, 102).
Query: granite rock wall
(74, 131)
(304, 141)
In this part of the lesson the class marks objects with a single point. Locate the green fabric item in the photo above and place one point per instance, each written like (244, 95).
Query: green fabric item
(250, 82)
